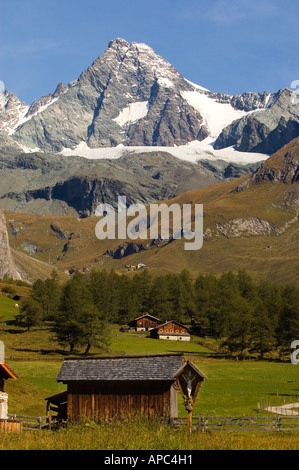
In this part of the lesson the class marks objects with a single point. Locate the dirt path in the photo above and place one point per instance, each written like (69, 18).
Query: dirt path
(286, 410)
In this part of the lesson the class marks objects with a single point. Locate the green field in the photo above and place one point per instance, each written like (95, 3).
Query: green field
(7, 309)
(232, 388)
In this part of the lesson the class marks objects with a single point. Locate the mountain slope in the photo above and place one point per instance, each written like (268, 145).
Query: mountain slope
(250, 223)
(52, 184)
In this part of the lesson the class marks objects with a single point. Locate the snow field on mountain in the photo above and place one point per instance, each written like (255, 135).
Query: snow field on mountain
(216, 115)
(132, 113)
(192, 152)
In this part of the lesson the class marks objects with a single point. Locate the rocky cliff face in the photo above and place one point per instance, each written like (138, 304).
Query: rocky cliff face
(7, 265)
(266, 130)
(12, 111)
(283, 166)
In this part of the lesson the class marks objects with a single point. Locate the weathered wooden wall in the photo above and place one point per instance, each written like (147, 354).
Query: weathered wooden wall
(144, 323)
(100, 401)
(8, 425)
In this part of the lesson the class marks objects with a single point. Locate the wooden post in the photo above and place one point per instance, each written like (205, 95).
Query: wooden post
(200, 424)
(189, 422)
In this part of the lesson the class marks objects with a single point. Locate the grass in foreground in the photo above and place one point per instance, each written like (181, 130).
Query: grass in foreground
(144, 435)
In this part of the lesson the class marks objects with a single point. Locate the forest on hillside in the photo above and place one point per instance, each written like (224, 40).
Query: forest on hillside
(241, 314)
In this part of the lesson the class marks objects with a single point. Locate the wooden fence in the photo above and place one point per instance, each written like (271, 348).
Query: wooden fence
(32, 423)
(225, 423)
(199, 424)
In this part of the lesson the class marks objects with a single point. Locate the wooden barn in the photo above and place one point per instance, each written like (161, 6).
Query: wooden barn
(103, 388)
(171, 330)
(144, 323)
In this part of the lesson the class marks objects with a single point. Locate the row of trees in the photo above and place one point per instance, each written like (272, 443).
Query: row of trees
(243, 315)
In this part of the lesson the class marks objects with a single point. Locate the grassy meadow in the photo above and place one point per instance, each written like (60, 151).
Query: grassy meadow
(232, 388)
(144, 436)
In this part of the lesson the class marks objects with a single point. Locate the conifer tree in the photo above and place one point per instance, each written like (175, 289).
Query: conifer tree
(262, 331)
(30, 313)
(79, 322)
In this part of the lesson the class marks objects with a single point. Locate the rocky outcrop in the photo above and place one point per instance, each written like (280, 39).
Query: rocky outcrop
(12, 111)
(7, 265)
(60, 234)
(281, 167)
(264, 131)
(127, 249)
(252, 226)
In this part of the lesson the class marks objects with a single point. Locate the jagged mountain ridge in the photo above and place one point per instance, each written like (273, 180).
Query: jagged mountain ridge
(129, 96)
(266, 131)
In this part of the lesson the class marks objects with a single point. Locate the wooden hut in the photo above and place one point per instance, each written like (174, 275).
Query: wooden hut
(171, 330)
(103, 388)
(144, 323)
(6, 425)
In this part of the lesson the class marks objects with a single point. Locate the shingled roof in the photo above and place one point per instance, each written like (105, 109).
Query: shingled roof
(161, 367)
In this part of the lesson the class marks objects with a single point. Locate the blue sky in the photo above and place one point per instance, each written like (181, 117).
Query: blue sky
(229, 46)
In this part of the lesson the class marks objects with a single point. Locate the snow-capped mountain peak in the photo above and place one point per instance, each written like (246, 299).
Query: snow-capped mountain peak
(130, 97)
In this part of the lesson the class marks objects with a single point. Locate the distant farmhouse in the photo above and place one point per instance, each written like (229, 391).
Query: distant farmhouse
(144, 323)
(103, 388)
(171, 330)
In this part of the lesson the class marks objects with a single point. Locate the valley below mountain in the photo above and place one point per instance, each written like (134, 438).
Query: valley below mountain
(250, 223)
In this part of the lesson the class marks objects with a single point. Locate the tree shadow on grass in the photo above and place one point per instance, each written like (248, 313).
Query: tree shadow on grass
(16, 332)
(43, 352)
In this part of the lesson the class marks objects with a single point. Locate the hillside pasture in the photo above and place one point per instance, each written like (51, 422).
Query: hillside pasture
(7, 309)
